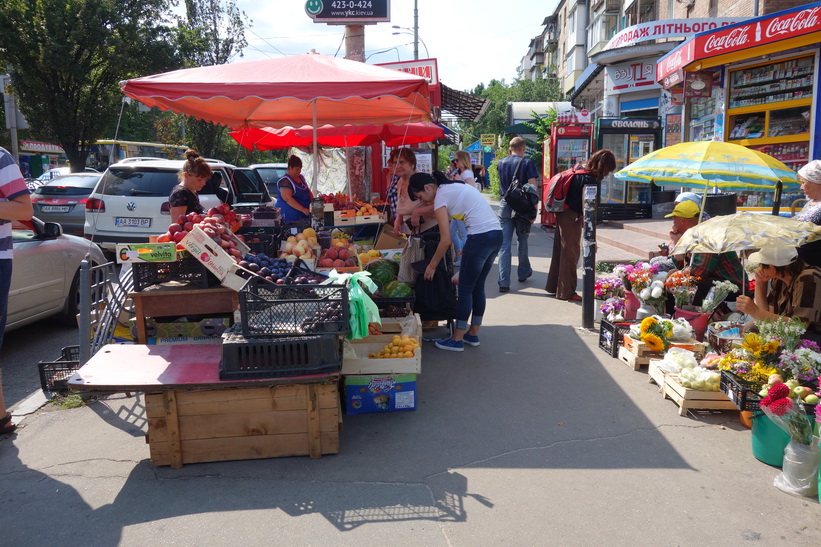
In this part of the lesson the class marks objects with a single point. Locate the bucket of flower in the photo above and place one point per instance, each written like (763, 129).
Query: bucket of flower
(651, 338)
(775, 355)
(682, 286)
(646, 284)
(607, 288)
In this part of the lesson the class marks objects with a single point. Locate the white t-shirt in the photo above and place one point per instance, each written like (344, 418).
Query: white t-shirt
(464, 202)
(467, 176)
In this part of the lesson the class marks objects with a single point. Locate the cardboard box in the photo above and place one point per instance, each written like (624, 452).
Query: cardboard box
(388, 240)
(211, 254)
(380, 393)
(146, 252)
(410, 325)
(212, 327)
(355, 358)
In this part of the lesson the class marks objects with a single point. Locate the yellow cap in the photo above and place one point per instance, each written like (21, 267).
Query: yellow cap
(684, 209)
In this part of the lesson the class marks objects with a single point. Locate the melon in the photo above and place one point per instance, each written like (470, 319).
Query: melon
(383, 271)
(397, 289)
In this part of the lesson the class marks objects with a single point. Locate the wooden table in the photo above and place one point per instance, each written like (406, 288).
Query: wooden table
(193, 416)
(164, 301)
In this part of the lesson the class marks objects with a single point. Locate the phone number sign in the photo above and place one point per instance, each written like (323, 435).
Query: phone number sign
(348, 12)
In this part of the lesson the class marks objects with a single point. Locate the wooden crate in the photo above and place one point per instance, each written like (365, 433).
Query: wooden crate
(688, 399)
(243, 423)
(634, 360)
(656, 374)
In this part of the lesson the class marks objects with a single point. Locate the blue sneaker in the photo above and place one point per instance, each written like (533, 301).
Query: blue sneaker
(471, 340)
(450, 344)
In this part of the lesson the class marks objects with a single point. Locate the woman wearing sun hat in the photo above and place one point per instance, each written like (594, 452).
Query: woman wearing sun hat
(810, 178)
(795, 289)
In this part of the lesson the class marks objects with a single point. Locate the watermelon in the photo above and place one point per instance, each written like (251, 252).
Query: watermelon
(397, 289)
(383, 271)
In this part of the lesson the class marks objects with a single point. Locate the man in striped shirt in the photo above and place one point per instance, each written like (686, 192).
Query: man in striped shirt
(15, 204)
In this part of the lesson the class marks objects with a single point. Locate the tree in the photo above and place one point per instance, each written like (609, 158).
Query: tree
(211, 33)
(66, 58)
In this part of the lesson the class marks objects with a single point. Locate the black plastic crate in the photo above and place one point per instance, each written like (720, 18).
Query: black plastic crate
(185, 269)
(54, 375)
(612, 334)
(250, 358)
(262, 243)
(743, 393)
(267, 309)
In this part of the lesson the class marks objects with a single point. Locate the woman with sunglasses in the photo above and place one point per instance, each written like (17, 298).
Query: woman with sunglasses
(484, 238)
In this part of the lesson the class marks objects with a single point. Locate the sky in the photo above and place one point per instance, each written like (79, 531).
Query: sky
(474, 41)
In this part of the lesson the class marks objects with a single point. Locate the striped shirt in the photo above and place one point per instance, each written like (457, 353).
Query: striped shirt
(801, 297)
(12, 185)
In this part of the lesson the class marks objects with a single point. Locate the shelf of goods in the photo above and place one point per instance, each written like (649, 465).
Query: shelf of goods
(702, 119)
(772, 105)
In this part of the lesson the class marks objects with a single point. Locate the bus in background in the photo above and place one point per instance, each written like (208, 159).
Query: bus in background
(106, 152)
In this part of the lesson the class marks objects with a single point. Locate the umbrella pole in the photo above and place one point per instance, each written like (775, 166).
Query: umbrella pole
(347, 171)
(316, 151)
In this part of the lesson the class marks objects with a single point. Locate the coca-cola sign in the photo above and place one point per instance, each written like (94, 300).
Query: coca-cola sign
(764, 31)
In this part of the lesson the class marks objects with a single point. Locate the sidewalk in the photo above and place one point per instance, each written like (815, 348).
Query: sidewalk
(537, 437)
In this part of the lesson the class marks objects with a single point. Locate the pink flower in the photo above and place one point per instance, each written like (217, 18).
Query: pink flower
(781, 406)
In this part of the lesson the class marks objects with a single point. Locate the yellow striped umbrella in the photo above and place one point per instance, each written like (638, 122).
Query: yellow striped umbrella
(721, 165)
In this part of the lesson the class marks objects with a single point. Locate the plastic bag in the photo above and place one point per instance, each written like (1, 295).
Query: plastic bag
(677, 359)
(412, 252)
(799, 473)
(362, 307)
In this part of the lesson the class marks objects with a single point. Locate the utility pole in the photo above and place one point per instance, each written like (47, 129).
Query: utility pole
(415, 31)
(358, 164)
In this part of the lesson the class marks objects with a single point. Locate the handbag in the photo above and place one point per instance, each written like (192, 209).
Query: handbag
(412, 252)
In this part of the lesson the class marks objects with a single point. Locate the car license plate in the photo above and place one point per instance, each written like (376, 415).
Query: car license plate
(55, 208)
(128, 222)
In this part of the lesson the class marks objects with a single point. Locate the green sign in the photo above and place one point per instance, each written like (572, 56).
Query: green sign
(488, 149)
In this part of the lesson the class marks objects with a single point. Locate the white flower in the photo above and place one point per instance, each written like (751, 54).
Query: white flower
(657, 292)
(645, 294)
(619, 271)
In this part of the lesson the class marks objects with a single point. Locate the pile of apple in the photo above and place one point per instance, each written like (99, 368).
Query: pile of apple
(797, 391)
(216, 223)
(300, 246)
(341, 202)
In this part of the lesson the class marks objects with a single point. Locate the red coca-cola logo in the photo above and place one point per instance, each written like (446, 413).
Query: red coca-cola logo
(800, 21)
(735, 38)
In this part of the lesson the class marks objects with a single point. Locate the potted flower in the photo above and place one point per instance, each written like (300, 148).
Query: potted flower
(613, 309)
(647, 284)
(682, 285)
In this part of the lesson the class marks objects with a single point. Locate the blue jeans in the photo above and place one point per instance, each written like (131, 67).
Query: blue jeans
(508, 229)
(477, 259)
(458, 235)
(5, 286)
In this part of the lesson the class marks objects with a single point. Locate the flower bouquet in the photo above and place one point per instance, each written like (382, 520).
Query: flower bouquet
(718, 293)
(608, 287)
(613, 309)
(647, 284)
(682, 285)
(657, 332)
(799, 473)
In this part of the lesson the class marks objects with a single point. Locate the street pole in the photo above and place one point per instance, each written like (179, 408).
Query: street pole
(589, 250)
(357, 162)
(415, 31)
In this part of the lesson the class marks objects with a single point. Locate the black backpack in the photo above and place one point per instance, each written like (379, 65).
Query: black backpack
(522, 197)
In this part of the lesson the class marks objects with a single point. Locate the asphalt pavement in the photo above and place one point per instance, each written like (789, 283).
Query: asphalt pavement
(536, 437)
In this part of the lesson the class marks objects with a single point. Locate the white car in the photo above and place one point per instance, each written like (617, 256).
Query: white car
(130, 202)
(45, 278)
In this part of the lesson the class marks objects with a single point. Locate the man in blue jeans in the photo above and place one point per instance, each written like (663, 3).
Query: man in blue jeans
(515, 163)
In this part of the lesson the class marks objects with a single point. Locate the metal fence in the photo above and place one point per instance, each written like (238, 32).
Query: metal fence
(103, 299)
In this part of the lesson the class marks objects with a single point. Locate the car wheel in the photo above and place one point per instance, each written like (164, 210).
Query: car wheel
(72, 305)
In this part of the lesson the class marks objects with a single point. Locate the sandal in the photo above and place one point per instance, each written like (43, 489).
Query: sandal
(6, 426)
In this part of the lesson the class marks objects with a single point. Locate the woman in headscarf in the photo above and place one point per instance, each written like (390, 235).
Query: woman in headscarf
(810, 178)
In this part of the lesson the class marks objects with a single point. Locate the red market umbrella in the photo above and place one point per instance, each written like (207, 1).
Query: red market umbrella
(310, 89)
(344, 136)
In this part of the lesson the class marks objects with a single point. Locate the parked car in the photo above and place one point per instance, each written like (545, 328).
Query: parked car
(130, 202)
(64, 199)
(270, 173)
(51, 174)
(45, 279)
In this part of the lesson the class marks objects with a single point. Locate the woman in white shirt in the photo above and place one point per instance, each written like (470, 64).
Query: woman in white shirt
(463, 202)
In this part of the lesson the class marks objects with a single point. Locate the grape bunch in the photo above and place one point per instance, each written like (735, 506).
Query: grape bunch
(325, 319)
(394, 311)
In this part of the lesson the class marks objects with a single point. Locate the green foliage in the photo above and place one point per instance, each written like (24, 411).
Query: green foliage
(66, 58)
(211, 33)
(541, 125)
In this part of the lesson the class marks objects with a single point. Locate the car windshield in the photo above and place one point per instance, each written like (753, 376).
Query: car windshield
(271, 174)
(68, 186)
(139, 182)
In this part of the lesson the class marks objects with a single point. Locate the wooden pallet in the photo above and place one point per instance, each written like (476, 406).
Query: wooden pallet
(688, 399)
(241, 424)
(635, 361)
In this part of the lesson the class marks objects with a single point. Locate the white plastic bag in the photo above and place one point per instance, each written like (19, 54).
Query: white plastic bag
(676, 359)
(799, 473)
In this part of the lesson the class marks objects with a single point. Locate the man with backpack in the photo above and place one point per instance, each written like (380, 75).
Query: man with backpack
(561, 278)
(524, 171)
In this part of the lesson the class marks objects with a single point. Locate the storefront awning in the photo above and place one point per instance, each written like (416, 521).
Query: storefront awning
(773, 33)
(585, 78)
(463, 105)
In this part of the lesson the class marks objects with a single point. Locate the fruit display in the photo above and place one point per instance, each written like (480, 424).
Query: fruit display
(324, 319)
(366, 209)
(400, 347)
(396, 289)
(341, 202)
(796, 391)
(216, 224)
(369, 256)
(300, 245)
(339, 256)
(382, 272)
(394, 311)
(278, 270)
